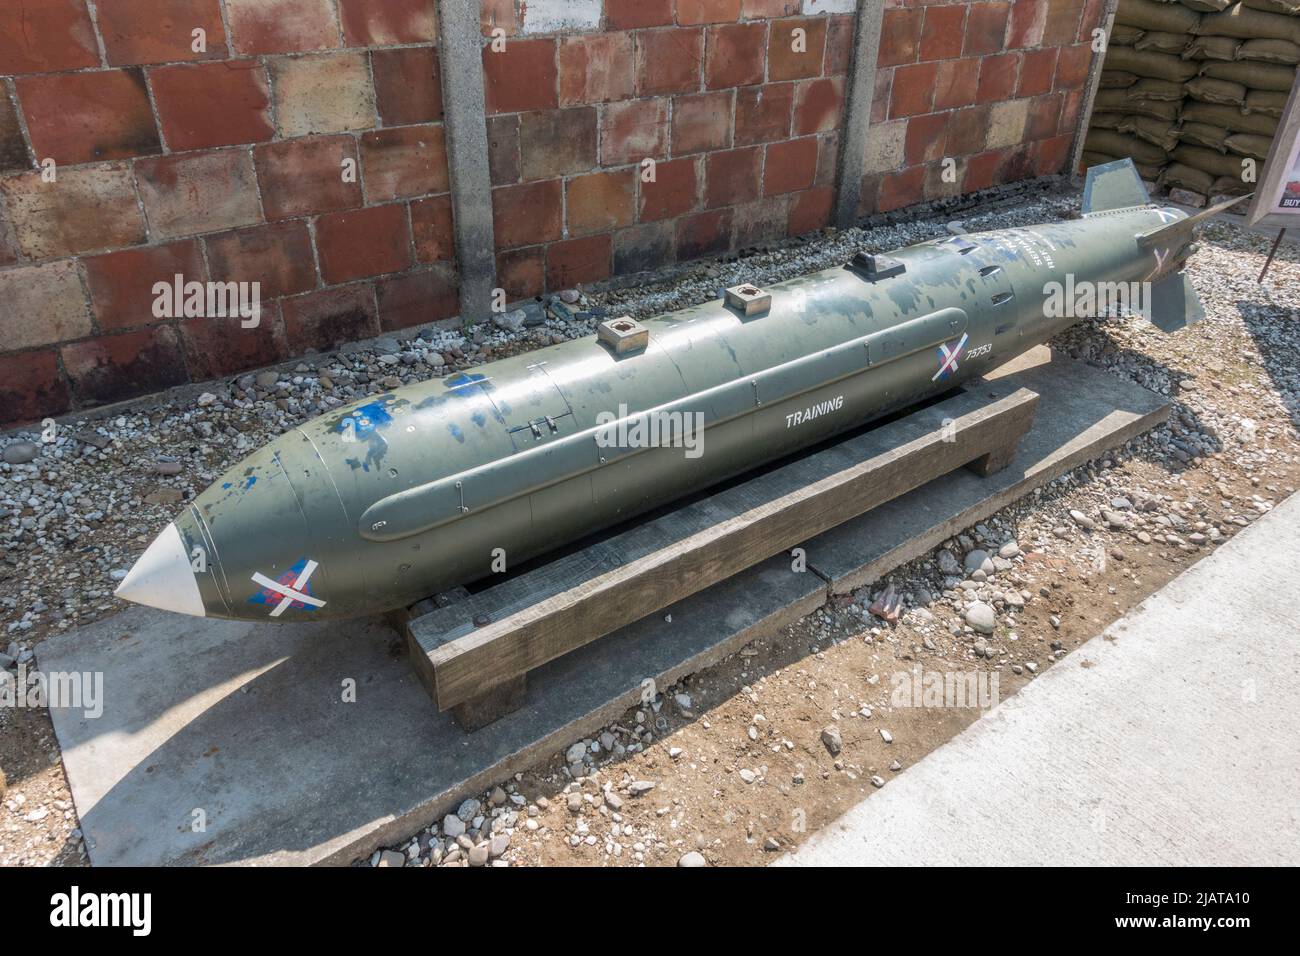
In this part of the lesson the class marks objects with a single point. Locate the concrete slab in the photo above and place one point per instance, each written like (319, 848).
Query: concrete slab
(1168, 740)
(1082, 412)
(246, 723)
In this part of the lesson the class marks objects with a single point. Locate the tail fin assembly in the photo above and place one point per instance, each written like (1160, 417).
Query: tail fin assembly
(1180, 231)
(1114, 185)
(1174, 304)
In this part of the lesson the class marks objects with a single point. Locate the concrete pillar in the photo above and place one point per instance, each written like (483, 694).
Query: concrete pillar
(465, 111)
(857, 111)
(1090, 92)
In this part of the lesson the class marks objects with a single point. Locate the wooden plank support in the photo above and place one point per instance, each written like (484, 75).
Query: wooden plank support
(475, 651)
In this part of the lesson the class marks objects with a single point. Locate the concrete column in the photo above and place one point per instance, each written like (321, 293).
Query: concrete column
(465, 109)
(1090, 92)
(857, 111)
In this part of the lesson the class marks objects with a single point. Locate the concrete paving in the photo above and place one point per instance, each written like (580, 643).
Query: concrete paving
(1172, 739)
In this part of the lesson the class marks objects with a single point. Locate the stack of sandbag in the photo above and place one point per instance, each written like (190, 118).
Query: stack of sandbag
(1191, 88)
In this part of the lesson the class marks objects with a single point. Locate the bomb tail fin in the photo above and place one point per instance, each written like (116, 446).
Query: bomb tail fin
(1114, 185)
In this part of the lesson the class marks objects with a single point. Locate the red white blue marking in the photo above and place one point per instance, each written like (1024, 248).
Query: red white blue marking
(291, 590)
(948, 358)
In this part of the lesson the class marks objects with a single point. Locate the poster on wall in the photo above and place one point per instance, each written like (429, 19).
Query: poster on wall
(1277, 197)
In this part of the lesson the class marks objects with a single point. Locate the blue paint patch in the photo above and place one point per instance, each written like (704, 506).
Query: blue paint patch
(365, 420)
(251, 481)
(289, 580)
(456, 383)
(226, 485)
(456, 433)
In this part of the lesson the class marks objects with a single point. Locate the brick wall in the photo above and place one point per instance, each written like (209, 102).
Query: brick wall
(227, 161)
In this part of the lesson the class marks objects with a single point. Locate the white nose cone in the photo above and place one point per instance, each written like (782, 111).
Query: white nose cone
(163, 578)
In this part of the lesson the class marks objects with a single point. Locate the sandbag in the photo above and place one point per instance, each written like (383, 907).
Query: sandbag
(1209, 90)
(1265, 103)
(1089, 159)
(1247, 23)
(1233, 120)
(1118, 144)
(1106, 120)
(1171, 43)
(1212, 48)
(1208, 161)
(1207, 6)
(1159, 133)
(1248, 144)
(1166, 90)
(1165, 17)
(1115, 80)
(1196, 180)
(1231, 186)
(1270, 51)
(1203, 134)
(1123, 35)
(1159, 66)
(1285, 7)
(1254, 76)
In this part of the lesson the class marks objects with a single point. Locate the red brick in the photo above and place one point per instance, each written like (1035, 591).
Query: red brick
(47, 36)
(731, 176)
(1051, 155)
(913, 89)
(902, 188)
(982, 171)
(527, 214)
(82, 117)
(828, 155)
(817, 105)
(1072, 66)
(417, 298)
(701, 122)
(703, 234)
(707, 11)
(634, 14)
(213, 104)
(497, 15)
(924, 142)
(278, 256)
(555, 142)
(522, 272)
(363, 242)
(1037, 72)
(763, 113)
(633, 131)
(332, 317)
(597, 68)
(941, 36)
(1091, 19)
(998, 76)
(839, 45)
(281, 26)
(1044, 115)
(503, 149)
(408, 85)
(761, 221)
(13, 148)
(121, 283)
(576, 261)
(366, 23)
(669, 61)
(734, 55)
(404, 161)
(756, 9)
(91, 208)
(784, 63)
(520, 77)
(1017, 163)
(189, 193)
(986, 28)
(111, 368)
(1028, 18)
(43, 305)
(301, 177)
(601, 201)
(159, 31)
(31, 387)
(810, 210)
(1063, 18)
(431, 227)
(967, 131)
(672, 193)
(956, 83)
(322, 93)
(1070, 114)
(219, 346)
(789, 166)
(644, 247)
(900, 36)
(869, 194)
